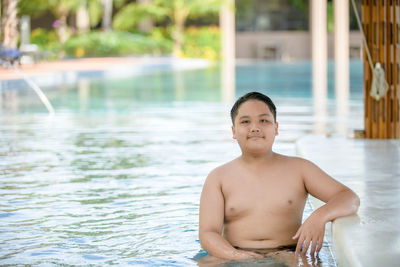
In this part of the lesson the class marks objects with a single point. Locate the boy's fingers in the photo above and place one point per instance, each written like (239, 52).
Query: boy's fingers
(313, 247)
(297, 234)
(299, 245)
(305, 261)
(306, 245)
(320, 242)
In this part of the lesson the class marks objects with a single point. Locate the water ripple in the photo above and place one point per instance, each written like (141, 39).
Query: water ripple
(103, 187)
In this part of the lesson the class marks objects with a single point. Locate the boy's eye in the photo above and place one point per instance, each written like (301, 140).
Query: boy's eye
(263, 121)
(244, 122)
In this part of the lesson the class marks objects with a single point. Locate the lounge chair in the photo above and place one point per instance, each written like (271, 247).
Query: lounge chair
(10, 55)
(29, 52)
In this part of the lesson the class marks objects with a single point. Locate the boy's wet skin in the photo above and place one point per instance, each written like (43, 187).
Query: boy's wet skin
(266, 210)
(255, 202)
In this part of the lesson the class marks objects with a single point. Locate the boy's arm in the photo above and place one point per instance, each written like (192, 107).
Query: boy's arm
(339, 201)
(211, 222)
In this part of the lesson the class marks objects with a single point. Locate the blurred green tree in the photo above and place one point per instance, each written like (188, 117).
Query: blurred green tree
(59, 8)
(174, 12)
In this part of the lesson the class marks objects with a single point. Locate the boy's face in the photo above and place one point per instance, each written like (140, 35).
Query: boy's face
(255, 128)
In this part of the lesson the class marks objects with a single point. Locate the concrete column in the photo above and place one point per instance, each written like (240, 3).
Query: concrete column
(319, 54)
(25, 30)
(342, 76)
(227, 26)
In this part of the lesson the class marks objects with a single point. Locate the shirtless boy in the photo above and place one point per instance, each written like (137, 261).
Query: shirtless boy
(256, 201)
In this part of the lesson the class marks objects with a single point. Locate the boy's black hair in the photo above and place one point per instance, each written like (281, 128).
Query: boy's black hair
(252, 96)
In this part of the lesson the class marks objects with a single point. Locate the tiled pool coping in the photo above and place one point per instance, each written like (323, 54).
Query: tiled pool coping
(372, 169)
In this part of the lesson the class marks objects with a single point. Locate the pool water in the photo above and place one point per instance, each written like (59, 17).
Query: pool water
(116, 175)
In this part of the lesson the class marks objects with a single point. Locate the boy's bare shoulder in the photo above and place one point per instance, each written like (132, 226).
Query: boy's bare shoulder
(222, 171)
(293, 161)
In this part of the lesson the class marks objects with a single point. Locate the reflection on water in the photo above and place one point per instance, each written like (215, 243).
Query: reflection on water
(115, 177)
(280, 259)
(228, 81)
(84, 93)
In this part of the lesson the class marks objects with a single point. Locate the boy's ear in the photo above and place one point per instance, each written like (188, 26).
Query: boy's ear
(276, 128)
(233, 132)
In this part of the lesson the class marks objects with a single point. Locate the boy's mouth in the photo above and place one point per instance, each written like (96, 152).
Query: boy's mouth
(255, 137)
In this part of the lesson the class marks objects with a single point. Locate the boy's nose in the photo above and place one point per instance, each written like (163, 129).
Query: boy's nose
(255, 129)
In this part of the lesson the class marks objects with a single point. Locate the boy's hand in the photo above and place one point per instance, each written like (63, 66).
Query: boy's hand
(242, 255)
(311, 231)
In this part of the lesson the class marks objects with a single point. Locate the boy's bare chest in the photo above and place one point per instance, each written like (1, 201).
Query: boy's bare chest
(263, 196)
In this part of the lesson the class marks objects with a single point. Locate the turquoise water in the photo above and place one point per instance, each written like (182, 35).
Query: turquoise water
(115, 177)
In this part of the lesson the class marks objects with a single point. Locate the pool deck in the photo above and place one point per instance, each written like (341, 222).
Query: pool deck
(116, 66)
(371, 168)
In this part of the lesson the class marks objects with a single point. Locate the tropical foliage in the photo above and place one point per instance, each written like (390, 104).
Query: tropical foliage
(203, 42)
(167, 34)
(60, 9)
(47, 41)
(174, 11)
(115, 43)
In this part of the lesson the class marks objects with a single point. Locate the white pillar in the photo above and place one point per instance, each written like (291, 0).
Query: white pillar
(82, 18)
(342, 76)
(25, 30)
(107, 14)
(227, 27)
(319, 46)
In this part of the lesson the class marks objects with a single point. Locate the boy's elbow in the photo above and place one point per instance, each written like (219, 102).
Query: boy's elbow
(202, 236)
(203, 239)
(203, 233)
(205, 236)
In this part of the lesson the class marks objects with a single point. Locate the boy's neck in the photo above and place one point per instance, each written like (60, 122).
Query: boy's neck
(257, 158)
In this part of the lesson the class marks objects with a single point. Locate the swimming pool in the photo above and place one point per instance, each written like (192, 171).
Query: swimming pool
(115, 177)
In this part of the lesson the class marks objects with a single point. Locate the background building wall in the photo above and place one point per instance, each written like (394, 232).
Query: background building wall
(286, 45)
